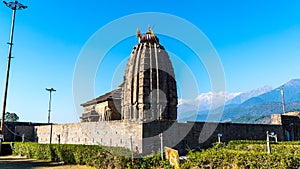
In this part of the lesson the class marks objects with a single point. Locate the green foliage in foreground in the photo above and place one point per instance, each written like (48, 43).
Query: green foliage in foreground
(235, 154)
(91, 155)
(246, 154)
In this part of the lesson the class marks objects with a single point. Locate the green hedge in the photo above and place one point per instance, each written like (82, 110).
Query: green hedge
(91, 155)
(245, 154)
(235, 154)
(260, 146)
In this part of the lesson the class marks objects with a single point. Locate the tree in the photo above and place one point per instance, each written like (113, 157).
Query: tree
(11, 117)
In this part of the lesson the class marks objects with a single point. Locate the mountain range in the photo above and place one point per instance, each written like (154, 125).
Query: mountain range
(255, 106)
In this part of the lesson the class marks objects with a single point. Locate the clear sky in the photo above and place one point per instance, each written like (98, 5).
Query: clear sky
(258, 43)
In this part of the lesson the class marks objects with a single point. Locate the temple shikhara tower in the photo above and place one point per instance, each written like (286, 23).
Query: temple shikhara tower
(148, 92)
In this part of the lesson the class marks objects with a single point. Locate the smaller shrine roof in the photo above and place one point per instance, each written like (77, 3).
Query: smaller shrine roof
(115, 94)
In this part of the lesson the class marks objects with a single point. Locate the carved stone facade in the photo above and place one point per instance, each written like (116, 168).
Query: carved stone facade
(149, 90)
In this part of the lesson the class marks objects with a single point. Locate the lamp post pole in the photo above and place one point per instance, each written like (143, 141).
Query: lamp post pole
(15, 5)
(49, 110)
(282, 99)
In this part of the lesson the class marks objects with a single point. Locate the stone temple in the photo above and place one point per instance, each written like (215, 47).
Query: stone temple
(149, 89)
(141, 114)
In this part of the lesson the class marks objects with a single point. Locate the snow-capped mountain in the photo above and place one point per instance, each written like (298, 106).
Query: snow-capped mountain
(204, 101)
(249, 94)
(251, 106)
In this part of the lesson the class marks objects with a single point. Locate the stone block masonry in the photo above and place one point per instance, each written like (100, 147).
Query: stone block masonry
(145, 136)
(107, 133)
(201, 135)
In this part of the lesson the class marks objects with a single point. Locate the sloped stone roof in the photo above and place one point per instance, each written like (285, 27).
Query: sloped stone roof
(115, 94)
(292, 114)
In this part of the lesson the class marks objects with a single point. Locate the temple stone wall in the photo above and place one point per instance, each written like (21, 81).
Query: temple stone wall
(27, 131)
(146, 136)
(110, 133)
(200, 135)
(276, 119)
(290, 125)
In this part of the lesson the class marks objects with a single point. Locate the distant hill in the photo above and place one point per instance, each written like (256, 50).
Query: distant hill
(255, 106)
(247, 95)
(203, 101)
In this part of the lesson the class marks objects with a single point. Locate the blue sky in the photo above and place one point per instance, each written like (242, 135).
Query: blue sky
(258, 43)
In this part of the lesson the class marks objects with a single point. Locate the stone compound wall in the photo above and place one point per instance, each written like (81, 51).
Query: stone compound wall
(276, 119)
(110, 133)
(146, 136)
(290, 124)
(16, 131)
(27, 131)
(200, 135)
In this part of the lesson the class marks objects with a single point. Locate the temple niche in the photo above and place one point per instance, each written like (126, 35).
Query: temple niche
(148, 92)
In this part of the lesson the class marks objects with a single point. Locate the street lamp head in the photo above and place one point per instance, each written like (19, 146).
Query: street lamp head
(50, 90)
(15, 5)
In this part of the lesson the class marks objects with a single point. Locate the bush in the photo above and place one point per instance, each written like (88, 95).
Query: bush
(246, 154)
(92, 155)
(235, 154)
(150, 161)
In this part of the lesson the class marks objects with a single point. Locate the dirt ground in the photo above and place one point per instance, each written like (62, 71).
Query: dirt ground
(12, 162)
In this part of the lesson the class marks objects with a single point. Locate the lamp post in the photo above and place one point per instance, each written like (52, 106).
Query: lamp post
(161, 146)
(273, 135)
(282, 98)
(49, 111)
(15, 5)
(219, 137)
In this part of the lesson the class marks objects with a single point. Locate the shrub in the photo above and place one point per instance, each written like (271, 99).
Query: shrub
(245, 154)
(235, 154)
(92, 155)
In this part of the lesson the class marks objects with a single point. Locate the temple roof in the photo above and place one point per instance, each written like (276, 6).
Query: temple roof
(115, 94)
(149, 90)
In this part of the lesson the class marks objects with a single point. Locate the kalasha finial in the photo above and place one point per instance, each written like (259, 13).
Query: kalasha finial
(148, 37)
